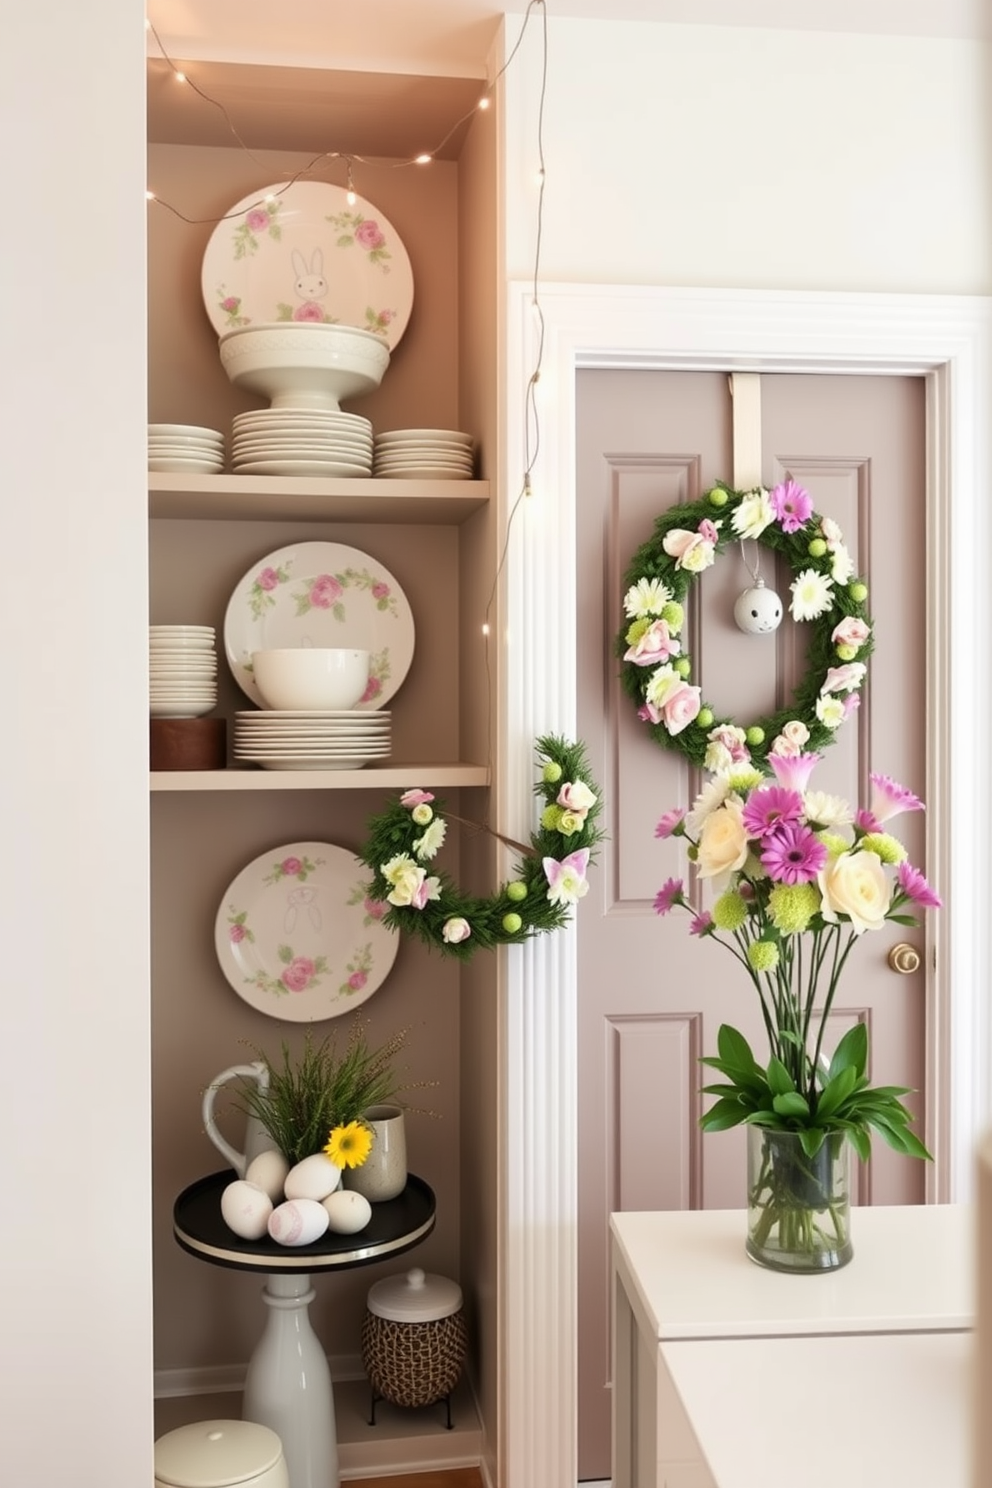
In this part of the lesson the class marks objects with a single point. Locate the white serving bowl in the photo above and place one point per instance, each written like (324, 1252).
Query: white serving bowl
(298, 364)
(311, 678)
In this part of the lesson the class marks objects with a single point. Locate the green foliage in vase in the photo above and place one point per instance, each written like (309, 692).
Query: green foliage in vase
(323, 1088)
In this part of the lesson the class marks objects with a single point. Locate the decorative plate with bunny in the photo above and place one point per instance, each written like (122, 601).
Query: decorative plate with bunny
(302, 252)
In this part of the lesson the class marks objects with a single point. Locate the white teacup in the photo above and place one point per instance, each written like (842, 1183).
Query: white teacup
(311, 678)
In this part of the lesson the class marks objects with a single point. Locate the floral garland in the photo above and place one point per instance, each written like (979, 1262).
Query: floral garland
(826, 594)
(548, 878)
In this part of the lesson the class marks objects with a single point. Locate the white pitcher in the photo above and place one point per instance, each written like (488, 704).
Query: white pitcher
(257, 1138)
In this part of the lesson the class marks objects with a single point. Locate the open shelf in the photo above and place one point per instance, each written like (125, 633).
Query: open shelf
(306, 498)
(388, 777)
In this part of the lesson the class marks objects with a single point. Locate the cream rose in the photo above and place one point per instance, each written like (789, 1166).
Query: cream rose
(723, 843)
(854, 884)
(455, 930)
(576, 796)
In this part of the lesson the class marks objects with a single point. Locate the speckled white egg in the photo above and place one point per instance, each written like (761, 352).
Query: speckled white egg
(313, 1178)
(245, 1208)
(347, 1211)
(269, 1171)
(297, 1222)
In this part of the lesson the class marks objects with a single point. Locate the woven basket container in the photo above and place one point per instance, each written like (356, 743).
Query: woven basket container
(412, 1358)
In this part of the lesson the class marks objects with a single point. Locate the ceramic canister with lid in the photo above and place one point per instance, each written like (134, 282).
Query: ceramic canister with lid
(220, 1454)
(414, 1338)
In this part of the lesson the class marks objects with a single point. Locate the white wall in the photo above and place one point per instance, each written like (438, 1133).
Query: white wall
(75, 1343)
(698, 155)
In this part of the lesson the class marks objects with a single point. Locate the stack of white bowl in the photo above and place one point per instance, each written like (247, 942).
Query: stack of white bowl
(182, 670)
(424, 454)
(302, 441)
(185, 449)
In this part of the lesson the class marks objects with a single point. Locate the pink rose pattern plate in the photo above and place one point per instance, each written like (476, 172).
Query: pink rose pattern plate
(303, 252)
(296, 936)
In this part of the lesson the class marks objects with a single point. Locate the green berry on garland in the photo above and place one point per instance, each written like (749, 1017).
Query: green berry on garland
(858, 592)
(512, 923)
(705, 718)
(552, 772)
(674, 616)
(847, 653)
(718, 496)
(516, 891)
(817, 548)
(683, 666)
(755, 736)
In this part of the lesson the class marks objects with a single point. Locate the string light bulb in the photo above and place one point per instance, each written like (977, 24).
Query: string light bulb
(484, 101)
(422, 159)
(180, 77)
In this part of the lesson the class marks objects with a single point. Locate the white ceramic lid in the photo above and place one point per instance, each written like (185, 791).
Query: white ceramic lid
(415, 1297)
(215, 1454)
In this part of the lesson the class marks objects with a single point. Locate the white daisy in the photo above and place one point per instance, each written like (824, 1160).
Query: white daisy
(825, 810)
(812, 595)
(830, 710)
(710, 798)
(646, 597)
(841, 564)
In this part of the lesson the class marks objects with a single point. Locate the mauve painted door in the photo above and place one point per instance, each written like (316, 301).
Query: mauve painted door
(651, 997)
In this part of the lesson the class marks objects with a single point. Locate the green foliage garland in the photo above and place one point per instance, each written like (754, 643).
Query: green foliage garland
(547, 880)
(815, 546)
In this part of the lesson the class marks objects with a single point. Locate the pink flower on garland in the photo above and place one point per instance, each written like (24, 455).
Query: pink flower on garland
(669, 822)
(792, 505)
(413, 798)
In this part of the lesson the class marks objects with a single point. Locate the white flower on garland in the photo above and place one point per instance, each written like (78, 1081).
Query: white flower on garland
(410, 884)
(646, 597)
(844, 678)
(567, 881)
(432, 840)
(830, 710)
(753, 514)
(455, 930)
(841, 564)
(660, 683)
(812, 595)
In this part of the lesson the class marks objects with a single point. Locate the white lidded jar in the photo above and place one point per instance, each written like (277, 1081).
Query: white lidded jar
(220, 1454)
(414, 1339)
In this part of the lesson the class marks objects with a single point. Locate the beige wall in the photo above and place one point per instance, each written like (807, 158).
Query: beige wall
(712, 156)
(75, 1344)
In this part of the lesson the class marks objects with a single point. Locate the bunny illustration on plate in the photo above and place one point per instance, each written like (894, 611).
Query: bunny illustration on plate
(310, 286)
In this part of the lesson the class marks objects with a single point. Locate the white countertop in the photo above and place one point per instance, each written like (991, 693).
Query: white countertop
(866, 1412)
(688, 1274)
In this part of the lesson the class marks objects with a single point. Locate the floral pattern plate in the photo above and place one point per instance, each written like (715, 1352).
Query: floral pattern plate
(302, 252)
(297, 938)
(321, 594)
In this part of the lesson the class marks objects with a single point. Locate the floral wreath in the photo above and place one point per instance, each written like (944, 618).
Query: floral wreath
(825, 592)
(549, 876)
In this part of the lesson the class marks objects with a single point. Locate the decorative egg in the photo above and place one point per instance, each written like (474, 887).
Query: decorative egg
(758, 611)
(269, 1171)
(313, 1178)
(297, 1222)
(347, 1211)
(245, 1208)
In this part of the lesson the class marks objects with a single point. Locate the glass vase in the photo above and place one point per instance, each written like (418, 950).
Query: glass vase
(798, 1207)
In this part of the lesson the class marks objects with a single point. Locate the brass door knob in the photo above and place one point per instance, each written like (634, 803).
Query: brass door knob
(904, 958)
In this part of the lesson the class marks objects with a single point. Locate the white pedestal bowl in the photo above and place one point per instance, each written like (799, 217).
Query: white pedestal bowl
(302, 364)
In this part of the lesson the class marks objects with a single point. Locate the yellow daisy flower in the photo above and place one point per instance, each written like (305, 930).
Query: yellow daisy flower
(349, 1146)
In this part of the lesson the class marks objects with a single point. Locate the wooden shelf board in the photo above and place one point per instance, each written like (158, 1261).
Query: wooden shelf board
(302, 498)
(374, 777)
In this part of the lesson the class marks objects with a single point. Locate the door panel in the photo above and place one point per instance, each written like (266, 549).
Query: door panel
(650, 997)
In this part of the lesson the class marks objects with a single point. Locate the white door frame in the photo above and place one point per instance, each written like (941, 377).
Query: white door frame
(949, 342)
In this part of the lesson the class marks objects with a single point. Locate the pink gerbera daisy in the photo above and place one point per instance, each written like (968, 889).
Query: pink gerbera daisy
(669, 822)
(889, 798)
(792, 505)
(792, 854)
(793, 774)
(768, 806)
(915, 887)
(668, 896)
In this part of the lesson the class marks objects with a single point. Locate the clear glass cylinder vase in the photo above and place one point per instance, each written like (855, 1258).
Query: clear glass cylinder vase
(798, 1207)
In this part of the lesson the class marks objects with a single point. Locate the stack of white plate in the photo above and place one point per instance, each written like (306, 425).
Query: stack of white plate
(312, 741)
(301, 441)
(424, 454)
(185, 449)
(182, 670)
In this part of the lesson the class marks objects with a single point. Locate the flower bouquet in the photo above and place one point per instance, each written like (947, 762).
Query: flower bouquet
(800, 877)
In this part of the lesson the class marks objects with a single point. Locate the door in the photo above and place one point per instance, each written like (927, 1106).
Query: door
(650, 996)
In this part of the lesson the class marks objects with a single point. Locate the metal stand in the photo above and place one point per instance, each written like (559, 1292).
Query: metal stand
(445, 1398)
